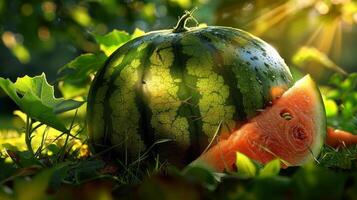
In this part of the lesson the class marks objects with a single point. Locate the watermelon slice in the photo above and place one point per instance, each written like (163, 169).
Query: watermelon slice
(339, 138)
(292, 129)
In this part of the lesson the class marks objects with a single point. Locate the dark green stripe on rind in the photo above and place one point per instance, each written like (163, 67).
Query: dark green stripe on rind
(187, 93)
(246, 82)
(272, 63)
(98, 90)
(108, 110)
(126, 115)
(145, 129)
(105, 79)
(162, 90)
(225, 70)
(263, 72)
(210, 85)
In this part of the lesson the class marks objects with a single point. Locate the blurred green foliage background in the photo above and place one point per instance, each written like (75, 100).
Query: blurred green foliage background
(313, 36)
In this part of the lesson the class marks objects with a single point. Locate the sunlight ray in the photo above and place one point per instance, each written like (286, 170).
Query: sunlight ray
(338, 39)
(325, 41)
(314, 35)
(277, 15)
(267, 20)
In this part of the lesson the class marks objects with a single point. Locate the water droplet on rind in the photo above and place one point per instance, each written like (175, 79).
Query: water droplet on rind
(283, 77)
(259, 81)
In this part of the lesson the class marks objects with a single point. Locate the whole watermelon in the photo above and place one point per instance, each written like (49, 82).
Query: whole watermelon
(181, 84)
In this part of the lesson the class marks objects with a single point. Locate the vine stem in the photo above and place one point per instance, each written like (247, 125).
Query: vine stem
(181, 24)
(63, 149)
(28, 134)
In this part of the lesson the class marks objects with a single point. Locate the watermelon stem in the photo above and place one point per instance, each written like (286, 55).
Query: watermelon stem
(181, 24)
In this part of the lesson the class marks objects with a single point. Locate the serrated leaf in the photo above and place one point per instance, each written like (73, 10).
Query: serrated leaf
(245, 166)
(36, 98)
(113, 40)
(79, 69)
(76, 75)
(137, 33)
(272, 168)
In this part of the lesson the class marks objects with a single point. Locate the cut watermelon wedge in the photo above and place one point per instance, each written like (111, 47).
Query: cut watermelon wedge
(339, 138)
(293, 129)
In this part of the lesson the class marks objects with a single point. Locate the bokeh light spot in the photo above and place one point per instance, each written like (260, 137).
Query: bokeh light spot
(26, 9)
(43, 33)
(81, 16)
(48, 6)
(183, 3)
(49, 9)
(8, 38)
(322, 7)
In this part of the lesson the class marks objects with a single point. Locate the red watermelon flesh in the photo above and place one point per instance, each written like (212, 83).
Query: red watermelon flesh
(339, 138)
(292, 129)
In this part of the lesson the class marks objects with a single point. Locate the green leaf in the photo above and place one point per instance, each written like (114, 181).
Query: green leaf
(79, 69)
(66, 106)
(272, 168)
(137, 33)
(26, 159)
(309, 54)
(72, 90)
(340, 100)
(350, 82)
(53, 148)
(7, 169)
(312, 182)
(113, 40)
(87, 169)
(245, 166)
(272, 188)
(330, 107)
(202, 176)
(35, 188)
(76, 75)
(36, 98)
